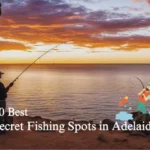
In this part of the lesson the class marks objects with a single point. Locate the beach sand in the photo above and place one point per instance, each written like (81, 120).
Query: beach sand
(69, 140)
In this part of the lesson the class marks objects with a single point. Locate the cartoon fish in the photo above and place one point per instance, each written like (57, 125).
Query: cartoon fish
(123, 101)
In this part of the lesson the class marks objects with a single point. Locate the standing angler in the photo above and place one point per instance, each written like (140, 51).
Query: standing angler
(3, 96)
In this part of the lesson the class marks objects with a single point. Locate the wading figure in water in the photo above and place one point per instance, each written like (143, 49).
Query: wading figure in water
(3, 96)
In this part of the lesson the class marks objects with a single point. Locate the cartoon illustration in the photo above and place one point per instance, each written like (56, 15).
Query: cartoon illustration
(123, 101)
(144, 96)
(124, 116)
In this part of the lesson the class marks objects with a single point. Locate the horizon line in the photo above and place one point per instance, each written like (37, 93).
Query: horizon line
(76, 64)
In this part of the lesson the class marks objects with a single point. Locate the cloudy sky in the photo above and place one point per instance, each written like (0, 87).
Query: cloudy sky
(96, 31)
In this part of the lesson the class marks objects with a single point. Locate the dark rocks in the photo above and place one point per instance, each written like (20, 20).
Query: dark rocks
(109, 122)
(138, 116)
(138, 119)
(135, 114)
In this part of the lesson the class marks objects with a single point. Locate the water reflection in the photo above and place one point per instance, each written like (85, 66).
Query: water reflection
(66, 92)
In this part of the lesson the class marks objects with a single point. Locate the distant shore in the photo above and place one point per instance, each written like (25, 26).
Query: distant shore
(69, 140)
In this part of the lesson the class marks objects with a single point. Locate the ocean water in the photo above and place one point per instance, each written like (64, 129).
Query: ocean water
(82, 92)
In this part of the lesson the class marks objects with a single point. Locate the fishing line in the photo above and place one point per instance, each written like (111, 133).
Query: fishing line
(131, 87)
(36, 61)
(138, 80)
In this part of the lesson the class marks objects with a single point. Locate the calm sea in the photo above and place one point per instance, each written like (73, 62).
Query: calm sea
(87, 92)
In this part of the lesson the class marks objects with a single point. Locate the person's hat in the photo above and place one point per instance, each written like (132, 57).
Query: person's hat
(1, 73)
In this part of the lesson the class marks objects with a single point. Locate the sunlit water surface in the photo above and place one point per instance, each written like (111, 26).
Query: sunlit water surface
(87, 92)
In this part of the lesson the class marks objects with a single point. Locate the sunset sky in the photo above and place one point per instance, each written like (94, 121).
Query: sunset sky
(97, 31)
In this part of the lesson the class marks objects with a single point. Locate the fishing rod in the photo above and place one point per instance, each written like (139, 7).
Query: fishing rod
(140, 82)
(36, 61)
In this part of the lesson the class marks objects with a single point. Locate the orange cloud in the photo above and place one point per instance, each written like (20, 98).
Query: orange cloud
(56, 22)
(12, 46)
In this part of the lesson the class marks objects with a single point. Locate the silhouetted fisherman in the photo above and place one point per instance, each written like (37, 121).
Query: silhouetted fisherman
(3, 96)
(0, 9)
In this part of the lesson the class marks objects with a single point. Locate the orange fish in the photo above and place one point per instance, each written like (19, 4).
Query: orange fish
(123, 101)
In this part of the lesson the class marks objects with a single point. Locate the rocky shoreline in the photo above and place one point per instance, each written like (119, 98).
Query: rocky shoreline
(69, 140)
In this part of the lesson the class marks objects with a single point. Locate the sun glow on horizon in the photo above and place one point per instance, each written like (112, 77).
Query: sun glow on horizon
(102, 56)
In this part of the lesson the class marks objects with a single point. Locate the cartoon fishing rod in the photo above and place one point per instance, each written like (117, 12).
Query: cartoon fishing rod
(143, 97)
(125, 100)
